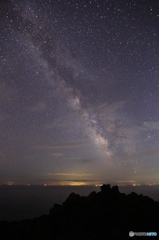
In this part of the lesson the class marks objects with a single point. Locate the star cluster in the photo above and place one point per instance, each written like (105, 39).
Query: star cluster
(79, 91)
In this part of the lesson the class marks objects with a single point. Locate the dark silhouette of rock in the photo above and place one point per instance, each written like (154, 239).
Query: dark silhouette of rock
(105, 188)
(107, 214)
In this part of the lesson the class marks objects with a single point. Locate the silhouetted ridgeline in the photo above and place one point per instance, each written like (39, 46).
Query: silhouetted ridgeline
(107, 214)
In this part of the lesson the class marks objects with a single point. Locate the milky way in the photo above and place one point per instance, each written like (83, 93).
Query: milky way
(78, 92)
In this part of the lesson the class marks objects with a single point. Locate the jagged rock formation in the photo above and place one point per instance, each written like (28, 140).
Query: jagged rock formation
(107, 214)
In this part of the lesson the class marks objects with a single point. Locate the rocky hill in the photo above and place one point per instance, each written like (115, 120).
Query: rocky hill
(107, 214)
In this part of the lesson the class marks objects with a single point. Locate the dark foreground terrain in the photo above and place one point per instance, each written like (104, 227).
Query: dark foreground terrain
(107, 214)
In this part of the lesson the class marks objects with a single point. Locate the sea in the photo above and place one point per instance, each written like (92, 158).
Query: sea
(19, 202)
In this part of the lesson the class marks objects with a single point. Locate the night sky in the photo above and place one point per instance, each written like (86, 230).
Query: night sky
(79, 92)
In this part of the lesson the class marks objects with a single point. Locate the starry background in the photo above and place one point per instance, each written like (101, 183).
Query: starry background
(79, 92)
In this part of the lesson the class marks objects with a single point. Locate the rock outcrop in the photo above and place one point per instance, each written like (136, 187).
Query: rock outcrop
(107, 214)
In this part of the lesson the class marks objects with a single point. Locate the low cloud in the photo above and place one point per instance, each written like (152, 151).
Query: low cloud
(61, 145)
(151, 125)
(131, 131)
(70, 174)
(113, 107)
(56, 154)
(38, 107)
(63, 122)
